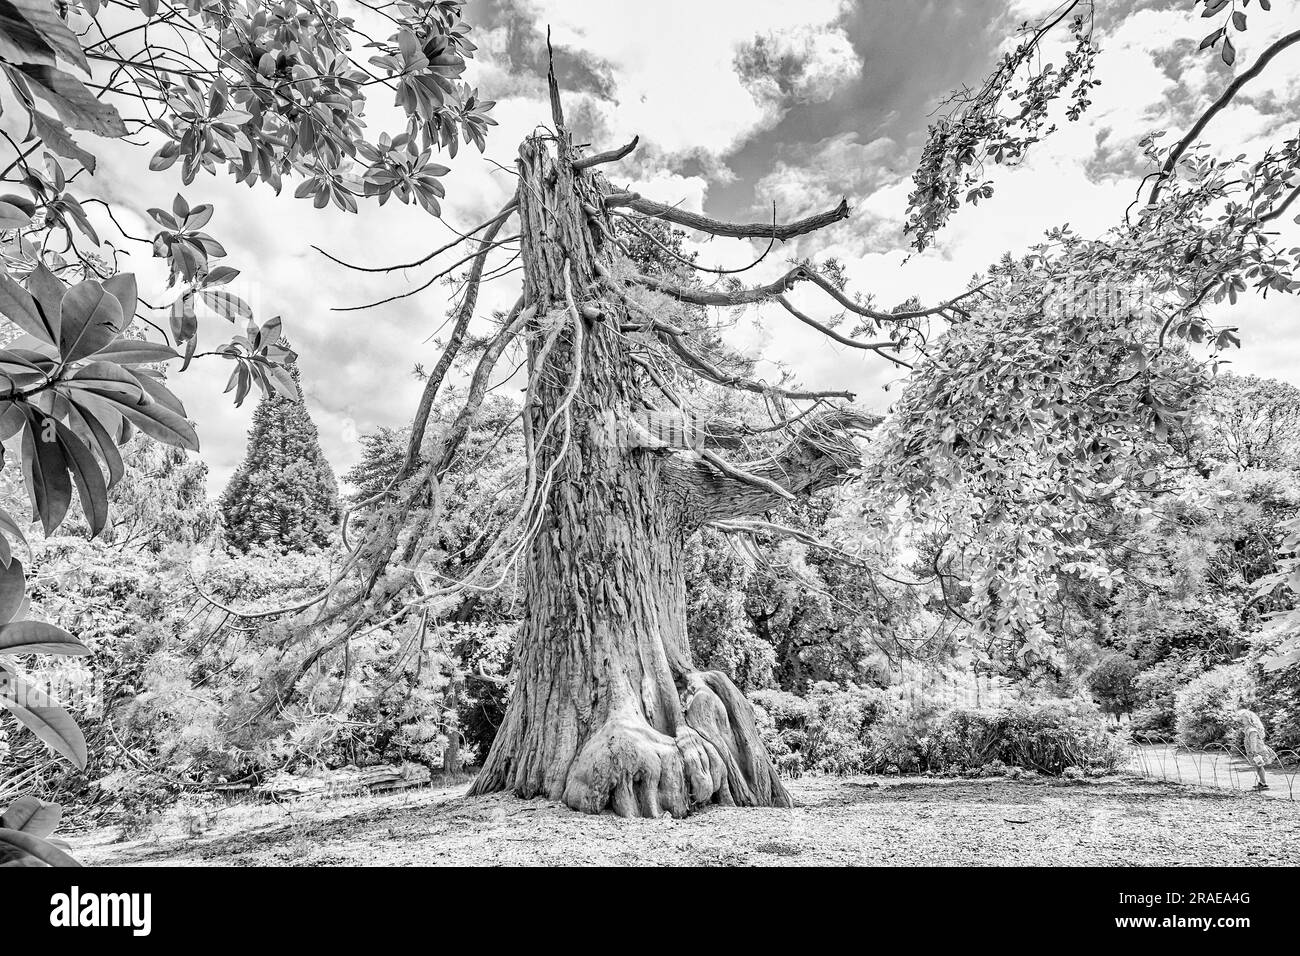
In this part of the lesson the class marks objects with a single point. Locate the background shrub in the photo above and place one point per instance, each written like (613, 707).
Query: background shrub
(1205, 709)
(1051, 735)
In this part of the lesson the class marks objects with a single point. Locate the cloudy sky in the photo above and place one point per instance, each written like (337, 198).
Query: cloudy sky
(739, 103)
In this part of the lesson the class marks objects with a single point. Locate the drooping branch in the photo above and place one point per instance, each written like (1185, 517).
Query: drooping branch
(1225, 98)
(724, 432)
(702, 366)
(428, 257)
(478, 387)
(719, 227)
(484, 247)
(747, 477)
(907, 315)
(755, 526)
(463, 315)
(881, 348)
(675, 339)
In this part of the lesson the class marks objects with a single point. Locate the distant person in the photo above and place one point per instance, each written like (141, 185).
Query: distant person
(1260, 753)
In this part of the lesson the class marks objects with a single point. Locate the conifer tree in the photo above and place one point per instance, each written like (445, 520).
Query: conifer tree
(284, 494)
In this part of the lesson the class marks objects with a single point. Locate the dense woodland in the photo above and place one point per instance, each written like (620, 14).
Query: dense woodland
(1074, 529)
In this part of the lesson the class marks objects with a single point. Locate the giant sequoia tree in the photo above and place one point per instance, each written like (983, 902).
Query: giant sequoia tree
(284, 493)
(608, 708)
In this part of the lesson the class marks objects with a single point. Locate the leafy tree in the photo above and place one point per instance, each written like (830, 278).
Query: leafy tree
(284, 493)
(1047, 402)
(1254, 423)
(1111, 683)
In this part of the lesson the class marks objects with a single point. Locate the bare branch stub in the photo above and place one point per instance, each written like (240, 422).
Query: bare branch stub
(820, 455)
(609, 156)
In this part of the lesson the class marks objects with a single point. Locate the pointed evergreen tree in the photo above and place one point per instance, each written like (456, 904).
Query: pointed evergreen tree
(284, 494)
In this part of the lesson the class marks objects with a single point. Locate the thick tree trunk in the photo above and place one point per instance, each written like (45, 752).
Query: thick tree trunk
(608, 710)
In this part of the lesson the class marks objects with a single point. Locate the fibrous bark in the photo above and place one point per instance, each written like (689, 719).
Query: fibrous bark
(608, 711)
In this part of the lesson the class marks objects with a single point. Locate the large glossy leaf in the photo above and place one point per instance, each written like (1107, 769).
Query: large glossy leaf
(123, 287)
(56, 136)
(45, 469)
(96, 436)
(43, 850)
(18, 306)
(16, 363)
(107, 379)
(15, 374)
(40, 714)
(31, 815)
(48, 290)
(136, 352)
(20, 42)
(283, 381)
(13, 587)
(154, 419)
(9, 530)
(40, 14)
(155, 389)
(87, 477)
(38, 637)
(75, 104)
(13, 217)
(92, 318)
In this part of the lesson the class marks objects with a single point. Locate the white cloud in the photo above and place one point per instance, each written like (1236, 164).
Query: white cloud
(832, 169)
(672, 69)
(805, 64)
(673, 62)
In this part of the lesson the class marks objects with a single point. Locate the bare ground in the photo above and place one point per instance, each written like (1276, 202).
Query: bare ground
(838, 821)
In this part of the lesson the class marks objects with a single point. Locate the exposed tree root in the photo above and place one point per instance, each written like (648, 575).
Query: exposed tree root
(628, 767)
(720, 714)
(635, 770)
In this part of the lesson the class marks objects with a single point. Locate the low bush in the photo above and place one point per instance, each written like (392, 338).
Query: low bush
(1046, 737)
(970, 739)
(1052, 735)
(855, 730)
(827, 732)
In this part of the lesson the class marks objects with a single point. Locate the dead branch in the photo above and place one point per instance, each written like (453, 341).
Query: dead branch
(748, 477)
(800, 273)
(822, 454)
(484, 247)
(434, 382)
(699, 296)
(771, 243)
(735, 230)
(701, 365)
(447, 448)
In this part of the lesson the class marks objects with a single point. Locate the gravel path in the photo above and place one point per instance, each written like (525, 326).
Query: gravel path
(908, 821)
(1224, 770)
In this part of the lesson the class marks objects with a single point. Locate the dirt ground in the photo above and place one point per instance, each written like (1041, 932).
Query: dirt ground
(837, 821)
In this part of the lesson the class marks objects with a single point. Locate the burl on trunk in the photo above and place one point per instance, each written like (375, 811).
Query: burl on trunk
(608, 711)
